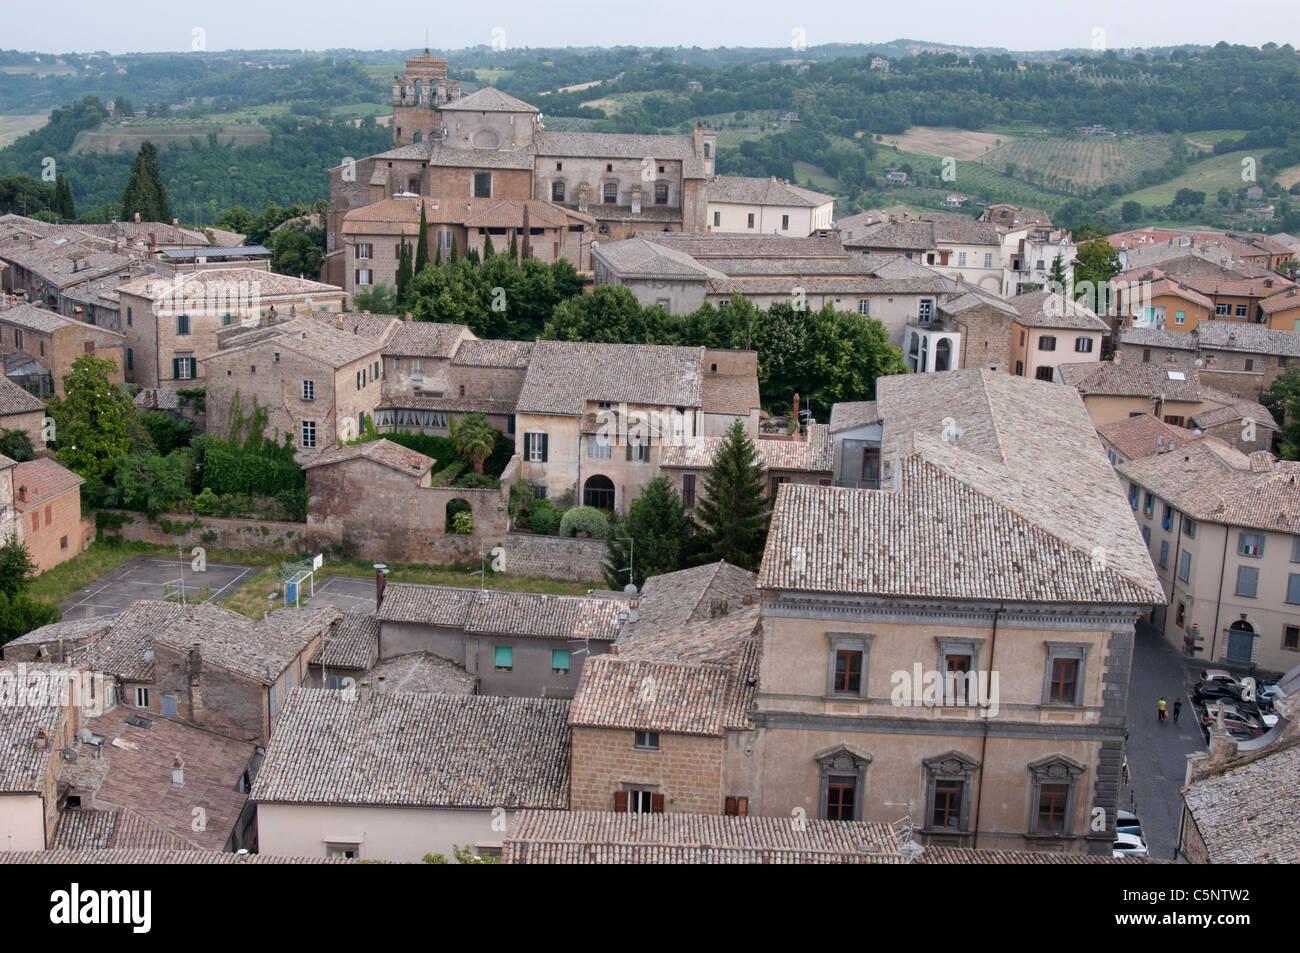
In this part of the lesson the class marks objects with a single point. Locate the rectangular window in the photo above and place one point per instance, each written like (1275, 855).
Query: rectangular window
(482, 185)
(598, 447)
(785, 223)
(840, 795)
(346, 851)
(1189, 527)
(1133, 496)
(128, 317)
(1250, 544)
(647, 740)
(1185, 565)
(1180, 317)
(988, 259)
(130, 359)
(1052, 799)
(1045, 374)
(560, 661)
(925, 310)
(1083, 345)
(717, 219)
(1146, 535)
(1291, 637)
(535, 447)
(1167, 518)
(1293, 588)
(182, 324)
(363, 276)
(947, 804)
(848, 673)
(1222, 310)
(661, 194)
(688, 490)
(1065, 674)
(1241, 310)
(1295, 550)
(363, 250)
(749, 220)
(1047, 343)
(183, 368)
(961, 259)
(309, 433)
(1164, 553)
(308, 390)
(503, 658)
(141, 697)
(1247, 581)
(1148, 505)
(557, 191)
(611, 193)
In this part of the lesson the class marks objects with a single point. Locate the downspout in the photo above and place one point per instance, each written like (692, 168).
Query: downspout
(1218, 602)
(984, 740)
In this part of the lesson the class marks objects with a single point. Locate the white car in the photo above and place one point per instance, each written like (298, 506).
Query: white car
(1129, 845)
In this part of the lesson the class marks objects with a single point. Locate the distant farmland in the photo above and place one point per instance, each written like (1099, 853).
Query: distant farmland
(1072, 166)
(110, 138)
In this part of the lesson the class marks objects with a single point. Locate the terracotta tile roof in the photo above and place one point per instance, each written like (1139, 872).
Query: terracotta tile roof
(712, 250)
(600, 837)
(1231, 409)
(1256, 793)
(563, 376)
(167, 398)
(474, 352)
(747, 190)
(72, 632)
(37, 318)
(139, 778)
(1016, 509)
(502, 612)
(1046, 309)
(642, 258)
(1131, 379)
(488, 99)
(22, 765)
(1214, 483)
(351, 642)
(311, 338)
(214, 283)
(43, 480)
(816, 454)
(155, 856)
(426, 339)
(409, 749)
(1135, 437)
(126, 649)
(380, 451)
(422, 672)
(255, 649)
(1169, 286)
(1254, 338)
(1261, 287)
(850, 415)
(1158, 337)
(61, 261)
(15, 400)
(673, 599)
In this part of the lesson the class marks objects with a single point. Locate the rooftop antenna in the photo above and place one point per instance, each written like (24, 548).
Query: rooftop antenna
(180, 564)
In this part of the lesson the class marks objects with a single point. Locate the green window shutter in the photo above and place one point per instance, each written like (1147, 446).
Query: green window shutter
(544, 441)
(629, 448)
(504, 657)
(130, 359)
(560, 659)
(176, 368)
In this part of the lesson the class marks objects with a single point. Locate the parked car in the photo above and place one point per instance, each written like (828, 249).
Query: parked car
(1126, 822)
(1212, 690)
(1129, 845)
(1233, 715)
(1221, 676)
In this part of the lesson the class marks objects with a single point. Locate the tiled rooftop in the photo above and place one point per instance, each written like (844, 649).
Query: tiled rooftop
(815, 454)
(1246, 813)
(1132, 379)
(255, 649)
(1135, 437)
(15, 400)
(474, 352)
(747, 190)
(673, 599)
(502, 612)
(1046, 309)
(408, 749)
(40, 480)
(351, 642)
(563, 376)
(380, 451)
(426, 339)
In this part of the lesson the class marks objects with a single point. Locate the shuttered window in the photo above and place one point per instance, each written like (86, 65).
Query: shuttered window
(504, 658)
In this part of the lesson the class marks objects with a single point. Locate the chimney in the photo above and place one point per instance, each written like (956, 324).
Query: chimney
(42, 740)
(137, 220)
(379, 689)
(178, 772)
(381, 582)
(1119, 357)
(22, 494)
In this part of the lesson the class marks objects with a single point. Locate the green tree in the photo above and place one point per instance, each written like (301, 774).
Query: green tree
(380, 299)
(1056, 277)
(62, 204)
(1096, 263)
(514, 246)
(1282, 398)
(16, 445)
(20, 614)
(734, 506)
(91, 422)
(659, 532)
(1131, 211)
(487, 247)
(475, 439)
(405, 270)
(144, 193)
(151, 484)
(16, 566)
(421, 244)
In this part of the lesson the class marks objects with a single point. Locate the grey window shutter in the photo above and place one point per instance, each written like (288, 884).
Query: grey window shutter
(544, 441)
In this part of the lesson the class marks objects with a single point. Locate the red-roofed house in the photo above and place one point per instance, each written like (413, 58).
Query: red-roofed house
(47, 499)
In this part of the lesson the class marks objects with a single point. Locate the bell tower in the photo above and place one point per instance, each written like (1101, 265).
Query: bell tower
(417, 97)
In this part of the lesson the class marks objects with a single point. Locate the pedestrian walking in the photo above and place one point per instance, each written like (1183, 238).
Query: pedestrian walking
(1161, 710)
(1178, 707)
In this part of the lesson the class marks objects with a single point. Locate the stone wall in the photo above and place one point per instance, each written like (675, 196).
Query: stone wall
(527, 554)
(179, 529)
(686, 769)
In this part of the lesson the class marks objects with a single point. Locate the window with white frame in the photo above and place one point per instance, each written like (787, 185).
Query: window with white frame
(308, 390)
(598, 446)
(1250, 544)
(309, 433)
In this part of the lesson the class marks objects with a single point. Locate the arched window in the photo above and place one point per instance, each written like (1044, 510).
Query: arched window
(598, 491)
(943, 355)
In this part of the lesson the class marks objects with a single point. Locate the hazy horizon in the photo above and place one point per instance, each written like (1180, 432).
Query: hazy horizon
(1019, 26)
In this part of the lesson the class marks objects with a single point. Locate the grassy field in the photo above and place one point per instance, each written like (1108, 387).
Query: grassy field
(1289, 177)
(1208, 176)
(806, 172)
(110, 138)
(1212, 137)
(1068, 164)
(943, 142)
(14, 126)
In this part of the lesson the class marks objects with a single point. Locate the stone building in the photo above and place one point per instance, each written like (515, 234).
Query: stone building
(55, 341)
(989, 695)
(22, 410)
(1241, 359)
(1051, 331)
(172, 322)
(957, 248)
(807, 457)
(766, 206)
(47, 512)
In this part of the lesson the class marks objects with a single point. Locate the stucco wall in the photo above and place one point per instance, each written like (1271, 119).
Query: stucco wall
(396, 834)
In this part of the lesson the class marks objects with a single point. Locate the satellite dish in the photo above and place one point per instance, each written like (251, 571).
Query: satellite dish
(629, 589)
(84, 735)
(148, 655)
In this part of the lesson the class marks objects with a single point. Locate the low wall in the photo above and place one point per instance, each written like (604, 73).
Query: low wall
(527, 554)
(189, 530)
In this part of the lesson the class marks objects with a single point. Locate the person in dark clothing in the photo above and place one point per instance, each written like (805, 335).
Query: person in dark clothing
(1178, 707)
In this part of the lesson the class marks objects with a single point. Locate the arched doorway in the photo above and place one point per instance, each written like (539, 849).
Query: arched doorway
(454, 508)
(1241, 641)
(598, 491)
(943, 355)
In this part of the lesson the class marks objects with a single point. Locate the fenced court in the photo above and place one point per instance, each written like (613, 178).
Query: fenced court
(153, 577)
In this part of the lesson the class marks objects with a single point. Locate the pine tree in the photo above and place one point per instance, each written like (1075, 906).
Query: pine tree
(404, 271)
(660, 533)
(734, 505)
(144, 191)
(487, 247)
(1056, 277)
(62, 204)
(422, 243)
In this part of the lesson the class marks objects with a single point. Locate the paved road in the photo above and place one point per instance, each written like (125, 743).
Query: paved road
(1157, 753)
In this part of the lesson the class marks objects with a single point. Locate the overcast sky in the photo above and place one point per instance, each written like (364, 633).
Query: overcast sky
(161, 25)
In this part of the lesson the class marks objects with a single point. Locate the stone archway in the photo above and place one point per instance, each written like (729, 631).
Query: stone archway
(598, 491)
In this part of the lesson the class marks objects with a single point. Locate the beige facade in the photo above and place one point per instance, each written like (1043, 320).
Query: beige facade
(400, 835)
(687, 770)
(56, 341)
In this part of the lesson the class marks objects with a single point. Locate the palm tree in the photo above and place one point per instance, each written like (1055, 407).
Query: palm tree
(474, 438)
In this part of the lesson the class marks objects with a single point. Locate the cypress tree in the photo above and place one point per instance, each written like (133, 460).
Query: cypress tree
(144, 192)
(734, 505)
(62, 204)
(514, 247)
(422, 243)
(404, 271)
(452, 257)
(487, 247)
(437, 254)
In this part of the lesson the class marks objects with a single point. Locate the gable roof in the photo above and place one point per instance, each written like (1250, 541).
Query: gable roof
(1048, 309)
(43, 480)
(417, 749)
(503, 612)
(672, 599)
(381, 451)
(1131, 379)
(758, 190)
(1017, 508)
(16, 400)
(563, 376)
(426, 339)
(255, 649)
(1135, 437)
(487, 99)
